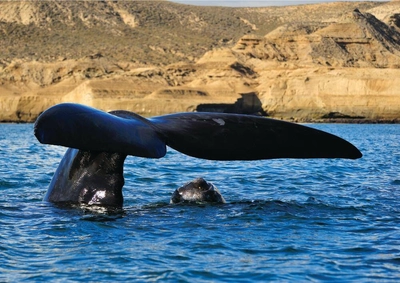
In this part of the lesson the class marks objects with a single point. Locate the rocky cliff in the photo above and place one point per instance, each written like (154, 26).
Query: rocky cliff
(320, 62)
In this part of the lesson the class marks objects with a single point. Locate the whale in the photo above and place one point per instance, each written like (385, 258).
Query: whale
(197, 190)
(98, 142)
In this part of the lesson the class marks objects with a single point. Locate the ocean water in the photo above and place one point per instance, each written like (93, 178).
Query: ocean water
(285, 220)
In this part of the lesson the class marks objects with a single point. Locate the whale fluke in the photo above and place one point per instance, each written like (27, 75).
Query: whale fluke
(81, 127)
(219, 136)
(214, 136)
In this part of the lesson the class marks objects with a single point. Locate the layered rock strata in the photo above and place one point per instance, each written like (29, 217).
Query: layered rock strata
(345, 68)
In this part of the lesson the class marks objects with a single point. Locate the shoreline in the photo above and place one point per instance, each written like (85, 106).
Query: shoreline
(296, 121)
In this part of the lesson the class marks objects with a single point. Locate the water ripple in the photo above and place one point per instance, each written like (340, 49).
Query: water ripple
(285, 220)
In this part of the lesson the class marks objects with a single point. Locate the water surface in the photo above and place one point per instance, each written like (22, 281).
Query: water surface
(285, 220)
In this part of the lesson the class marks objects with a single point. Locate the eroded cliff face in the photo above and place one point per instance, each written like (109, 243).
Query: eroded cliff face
(342, 68)
(345, 69)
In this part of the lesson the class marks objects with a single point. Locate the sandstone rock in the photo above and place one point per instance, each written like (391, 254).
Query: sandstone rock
(345, 67)
(306, 71)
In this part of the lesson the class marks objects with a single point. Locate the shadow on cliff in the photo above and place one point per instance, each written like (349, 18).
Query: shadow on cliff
(249, 104)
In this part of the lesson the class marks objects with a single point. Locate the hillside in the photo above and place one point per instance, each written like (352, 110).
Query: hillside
(309, 62)
(152, 32)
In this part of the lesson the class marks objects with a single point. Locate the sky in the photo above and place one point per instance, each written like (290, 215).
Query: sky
(254, 3)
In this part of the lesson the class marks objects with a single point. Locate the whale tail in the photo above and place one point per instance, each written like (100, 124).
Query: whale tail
(214, 136)
(218, 136)
(81, 127)
(91, 171)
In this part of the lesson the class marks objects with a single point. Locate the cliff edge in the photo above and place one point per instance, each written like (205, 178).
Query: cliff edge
(323, 62)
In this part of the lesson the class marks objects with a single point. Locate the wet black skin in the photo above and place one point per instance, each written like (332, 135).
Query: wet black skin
(91, 172)
(198, 190)
(92, 178)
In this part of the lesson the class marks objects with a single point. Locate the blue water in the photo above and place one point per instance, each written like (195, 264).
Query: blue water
(285, 220)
